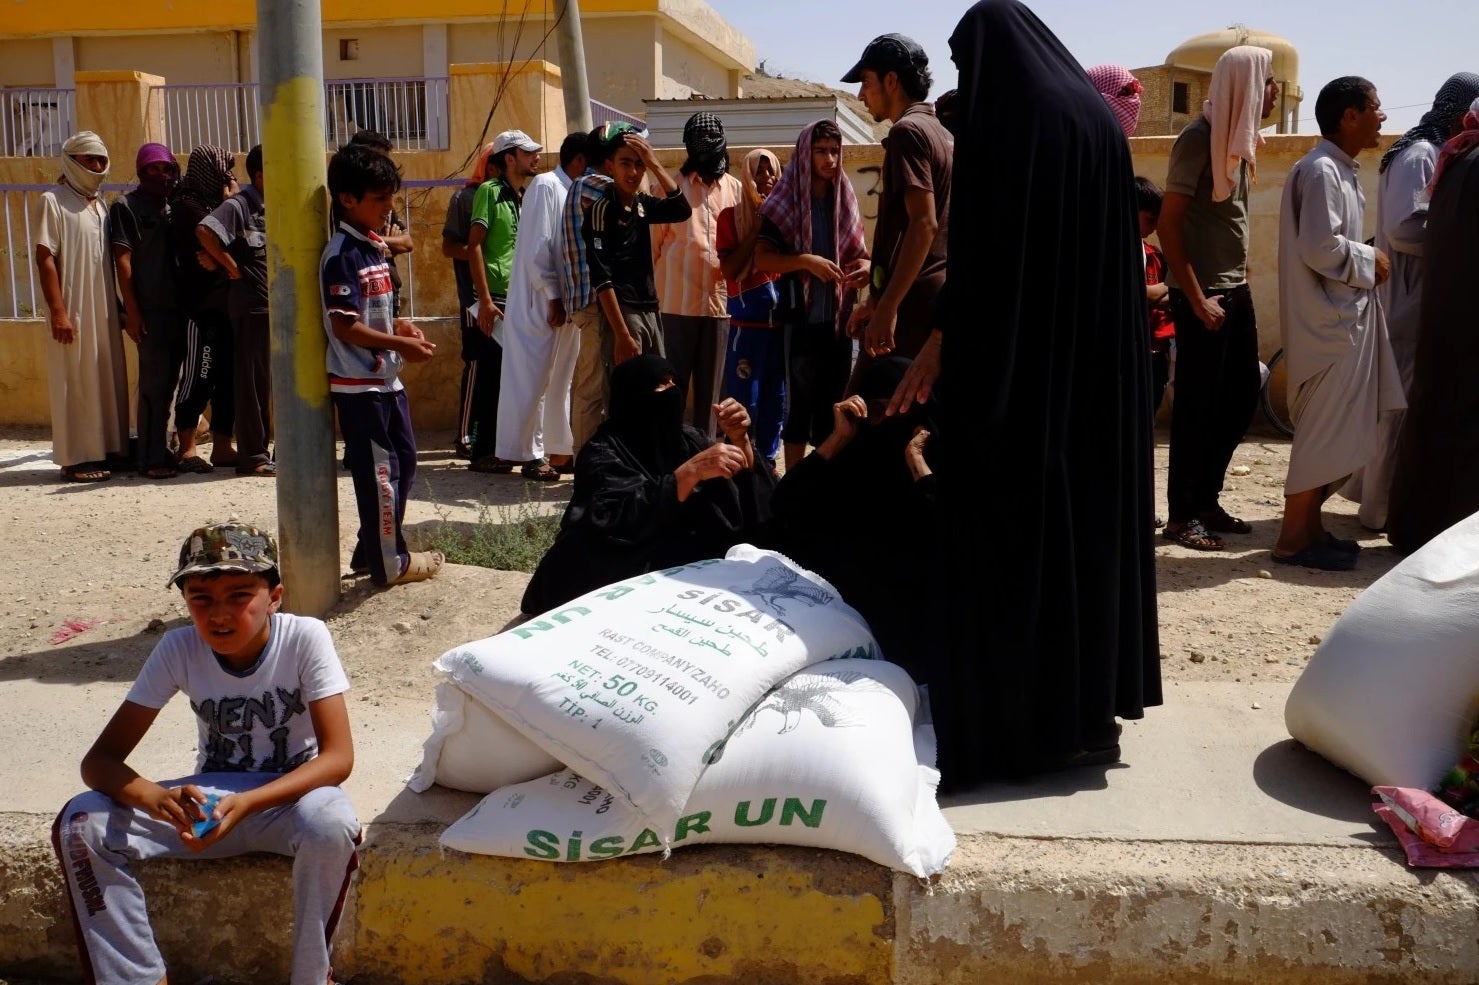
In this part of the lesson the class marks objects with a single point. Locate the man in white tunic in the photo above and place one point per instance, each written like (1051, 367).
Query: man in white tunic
(1342, 376)
(85, 362)
(540, 343)
(1401, 226)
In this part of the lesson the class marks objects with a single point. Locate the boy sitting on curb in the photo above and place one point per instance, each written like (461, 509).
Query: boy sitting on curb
(274, 745)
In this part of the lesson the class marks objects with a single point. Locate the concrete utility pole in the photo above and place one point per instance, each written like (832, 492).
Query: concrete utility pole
(572, 67)
(290, 64)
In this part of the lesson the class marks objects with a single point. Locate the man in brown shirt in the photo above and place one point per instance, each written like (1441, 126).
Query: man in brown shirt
(913, 212)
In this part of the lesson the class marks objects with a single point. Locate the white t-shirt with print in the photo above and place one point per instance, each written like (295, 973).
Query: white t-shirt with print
(255, 720)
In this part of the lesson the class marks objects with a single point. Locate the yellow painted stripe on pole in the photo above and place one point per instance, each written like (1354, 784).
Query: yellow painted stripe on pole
(299, 218)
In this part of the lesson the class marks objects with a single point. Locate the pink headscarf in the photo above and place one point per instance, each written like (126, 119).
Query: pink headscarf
(1121, 91)
(1234, 107)
(1458, 145)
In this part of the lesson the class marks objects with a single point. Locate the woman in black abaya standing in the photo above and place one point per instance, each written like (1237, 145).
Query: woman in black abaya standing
(1041, 357)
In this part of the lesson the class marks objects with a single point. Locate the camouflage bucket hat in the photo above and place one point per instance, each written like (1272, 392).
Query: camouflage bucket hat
(226, 547)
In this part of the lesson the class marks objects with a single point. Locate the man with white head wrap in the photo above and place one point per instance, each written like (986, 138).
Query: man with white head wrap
(85, 361)
(1204, 231)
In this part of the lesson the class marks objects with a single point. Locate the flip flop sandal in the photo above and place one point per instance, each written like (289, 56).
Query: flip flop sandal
(268, 470)
(196, 465)
(86, 472)
(492, 465)
(423, 565)
(1321, 556)
(1220, 521)
(1194, 535)
(540, 472)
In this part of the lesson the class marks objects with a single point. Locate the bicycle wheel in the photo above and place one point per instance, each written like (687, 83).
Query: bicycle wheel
(1276, 420)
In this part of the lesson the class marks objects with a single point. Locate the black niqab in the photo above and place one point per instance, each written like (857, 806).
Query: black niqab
(646, 421)
(1045, 371)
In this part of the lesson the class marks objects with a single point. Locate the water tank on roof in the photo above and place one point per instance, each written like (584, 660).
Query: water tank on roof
(1203, 50)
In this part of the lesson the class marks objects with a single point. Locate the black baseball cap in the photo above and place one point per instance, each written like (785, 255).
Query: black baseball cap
(888, 53)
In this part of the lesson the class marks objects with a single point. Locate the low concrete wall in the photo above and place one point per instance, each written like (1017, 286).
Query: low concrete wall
(1025, 911)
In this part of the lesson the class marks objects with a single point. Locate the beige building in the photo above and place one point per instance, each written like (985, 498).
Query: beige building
(1175, 90)
(635, 50)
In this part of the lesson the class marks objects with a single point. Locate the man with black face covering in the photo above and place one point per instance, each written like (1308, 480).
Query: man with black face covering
(690, 284)
(144, 260)
(1042, 654)
(651, 492)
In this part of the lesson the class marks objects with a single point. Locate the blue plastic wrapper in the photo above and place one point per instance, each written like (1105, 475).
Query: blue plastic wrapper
(201, 827)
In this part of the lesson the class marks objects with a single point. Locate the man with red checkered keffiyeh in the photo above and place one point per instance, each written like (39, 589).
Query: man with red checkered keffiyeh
(1121, 90)
(811, 230)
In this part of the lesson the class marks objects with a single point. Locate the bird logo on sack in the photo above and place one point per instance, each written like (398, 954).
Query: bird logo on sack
(780, 582)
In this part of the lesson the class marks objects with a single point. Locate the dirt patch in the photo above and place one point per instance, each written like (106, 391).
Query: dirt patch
(86, 565)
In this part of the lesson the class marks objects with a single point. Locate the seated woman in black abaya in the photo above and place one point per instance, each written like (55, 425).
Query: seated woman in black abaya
(860, 509)
(651, 492)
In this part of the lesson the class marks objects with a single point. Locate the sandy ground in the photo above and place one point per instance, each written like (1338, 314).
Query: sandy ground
(83, 571)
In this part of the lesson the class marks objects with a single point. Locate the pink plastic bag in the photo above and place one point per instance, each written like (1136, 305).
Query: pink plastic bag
(1431, 819)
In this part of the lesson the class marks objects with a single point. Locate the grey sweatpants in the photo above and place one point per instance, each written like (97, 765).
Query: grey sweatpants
(96, 839)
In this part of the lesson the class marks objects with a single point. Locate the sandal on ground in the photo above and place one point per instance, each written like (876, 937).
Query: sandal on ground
(86, 472)
(159, 472)
(423, 565)
(1195, 535)
(195, 464)
(492, 465)
(1341, 544)
(567, 467)
(540, 472)
(266, 470)
(1320, 555)
(1220, 521)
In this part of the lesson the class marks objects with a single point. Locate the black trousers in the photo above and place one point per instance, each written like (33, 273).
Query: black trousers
(818, 364)
(209, 373)
(483, 385)
(1217, 384)
(161, 352)
(252, 339)
(380, 450)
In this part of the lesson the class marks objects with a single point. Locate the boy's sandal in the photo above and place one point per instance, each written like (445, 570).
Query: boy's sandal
(423, 565)
(540, 472)
(267, 470)
(492, 465)
(1194, 535)
(196, 465)
(1220, 521)
(86, 472)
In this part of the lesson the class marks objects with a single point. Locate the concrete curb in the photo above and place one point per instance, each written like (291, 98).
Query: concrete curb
(1008, 909)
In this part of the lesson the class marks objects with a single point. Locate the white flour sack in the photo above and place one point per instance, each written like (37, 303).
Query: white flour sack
(1393, 691)
(637, 684)
(835, 757)
(472, 749)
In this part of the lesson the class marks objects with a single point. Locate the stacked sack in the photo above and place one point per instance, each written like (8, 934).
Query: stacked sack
(736, 700)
